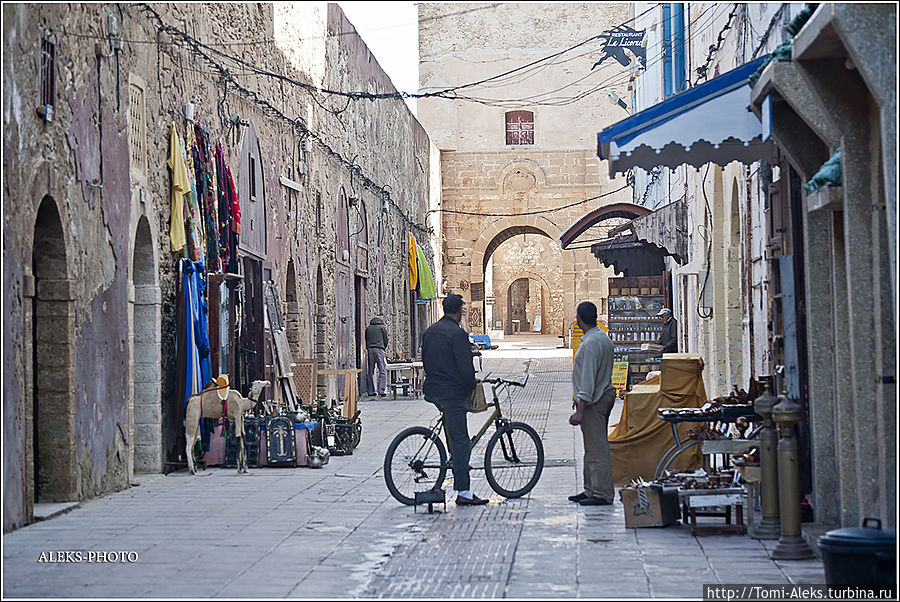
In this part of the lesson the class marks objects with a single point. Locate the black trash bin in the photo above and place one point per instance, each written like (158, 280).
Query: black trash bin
(859, 555)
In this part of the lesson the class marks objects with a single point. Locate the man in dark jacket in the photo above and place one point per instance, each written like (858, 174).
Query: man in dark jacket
(449, 379)
(668, 336)
(376, 343)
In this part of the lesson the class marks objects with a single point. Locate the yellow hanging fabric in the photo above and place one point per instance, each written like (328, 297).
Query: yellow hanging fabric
(181, 186)
(413, 268)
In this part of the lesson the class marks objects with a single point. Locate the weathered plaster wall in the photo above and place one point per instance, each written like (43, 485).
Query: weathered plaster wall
(357, 147)
(64, 159)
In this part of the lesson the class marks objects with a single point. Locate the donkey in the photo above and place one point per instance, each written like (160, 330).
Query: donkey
(208, 404)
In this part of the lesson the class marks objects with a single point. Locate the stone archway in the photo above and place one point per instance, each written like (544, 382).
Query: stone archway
(502, 230)
(488, 241)
(146, 363)
(547, 304)
(52, 409)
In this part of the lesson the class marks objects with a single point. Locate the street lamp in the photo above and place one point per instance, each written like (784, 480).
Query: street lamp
(614, 99)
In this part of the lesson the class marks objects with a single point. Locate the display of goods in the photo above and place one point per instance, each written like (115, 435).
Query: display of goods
(704, 434)
(748, 458)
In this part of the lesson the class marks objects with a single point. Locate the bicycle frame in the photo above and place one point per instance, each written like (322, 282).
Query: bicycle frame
(495, 417)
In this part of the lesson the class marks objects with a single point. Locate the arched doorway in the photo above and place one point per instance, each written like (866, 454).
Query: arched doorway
(533, 258)
(53, 396)
(525, 307)
(146, 363)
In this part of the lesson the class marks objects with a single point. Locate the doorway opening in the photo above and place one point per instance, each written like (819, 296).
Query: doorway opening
(53, 398)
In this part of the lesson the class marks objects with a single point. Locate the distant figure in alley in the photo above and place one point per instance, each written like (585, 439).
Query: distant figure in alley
(594, 399)
(376, 343)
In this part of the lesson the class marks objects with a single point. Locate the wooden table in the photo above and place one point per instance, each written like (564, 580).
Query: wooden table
(414, 381)
(695, 499)
(350, 392)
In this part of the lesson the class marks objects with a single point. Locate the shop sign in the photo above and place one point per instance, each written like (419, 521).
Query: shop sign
(617, 40)
(620, 376)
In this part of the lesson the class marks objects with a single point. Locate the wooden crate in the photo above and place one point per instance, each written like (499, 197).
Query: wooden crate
(305, 380)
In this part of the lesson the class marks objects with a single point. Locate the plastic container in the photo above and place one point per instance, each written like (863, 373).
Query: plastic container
(859, 555)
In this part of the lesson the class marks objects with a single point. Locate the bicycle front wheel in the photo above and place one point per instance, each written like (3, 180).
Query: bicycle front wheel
(514, 459)
(416, 460)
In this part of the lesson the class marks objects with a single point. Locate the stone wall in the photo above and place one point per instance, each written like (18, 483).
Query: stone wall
(493, 191)
(100, 169)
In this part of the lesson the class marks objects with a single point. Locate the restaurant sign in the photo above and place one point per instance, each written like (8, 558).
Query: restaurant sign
(617, 40)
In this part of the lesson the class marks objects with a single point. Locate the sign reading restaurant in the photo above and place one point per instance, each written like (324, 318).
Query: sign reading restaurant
(617, 40)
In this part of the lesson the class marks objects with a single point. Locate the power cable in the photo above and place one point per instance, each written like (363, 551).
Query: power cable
(538, 212)
(267, 106)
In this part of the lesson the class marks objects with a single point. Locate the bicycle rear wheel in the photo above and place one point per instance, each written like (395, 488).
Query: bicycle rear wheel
(514, 459)
(416, 460)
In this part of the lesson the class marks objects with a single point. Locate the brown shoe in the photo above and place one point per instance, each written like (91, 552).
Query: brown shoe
(475, 501)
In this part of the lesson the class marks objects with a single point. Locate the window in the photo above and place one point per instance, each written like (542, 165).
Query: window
(520, 127)
(673, 49)
(252, 180)
(137, 127)
(47, 81)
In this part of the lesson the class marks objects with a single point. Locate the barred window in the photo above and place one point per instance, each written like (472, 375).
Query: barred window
(520, 127)
(47, 75)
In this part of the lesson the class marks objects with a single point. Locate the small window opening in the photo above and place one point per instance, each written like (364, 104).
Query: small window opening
(47, 83)
(252, 178)
(520, 127)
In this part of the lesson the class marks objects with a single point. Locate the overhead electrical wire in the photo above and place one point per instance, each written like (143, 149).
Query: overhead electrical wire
(226, 76)
(524, 213)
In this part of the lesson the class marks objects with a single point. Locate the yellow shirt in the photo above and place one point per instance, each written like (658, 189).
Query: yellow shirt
(180, 186)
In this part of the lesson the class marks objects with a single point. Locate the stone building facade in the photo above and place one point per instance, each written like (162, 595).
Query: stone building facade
(518, 154)
(89, 279)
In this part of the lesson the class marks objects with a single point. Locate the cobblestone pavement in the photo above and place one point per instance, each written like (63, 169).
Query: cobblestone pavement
(337, 533)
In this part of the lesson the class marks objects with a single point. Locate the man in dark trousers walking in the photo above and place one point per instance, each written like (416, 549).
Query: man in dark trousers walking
(376, 343)
(449, 379)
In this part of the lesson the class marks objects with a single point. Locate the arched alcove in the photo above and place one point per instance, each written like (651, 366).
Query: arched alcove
(52, 329)
(146, 362)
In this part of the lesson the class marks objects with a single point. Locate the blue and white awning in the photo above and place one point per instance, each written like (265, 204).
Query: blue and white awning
(709, 123)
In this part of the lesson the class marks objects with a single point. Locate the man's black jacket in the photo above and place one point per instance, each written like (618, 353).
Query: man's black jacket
(668, 336)
(447, 360)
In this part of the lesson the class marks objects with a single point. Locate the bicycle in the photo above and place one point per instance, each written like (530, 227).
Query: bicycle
(416, 460)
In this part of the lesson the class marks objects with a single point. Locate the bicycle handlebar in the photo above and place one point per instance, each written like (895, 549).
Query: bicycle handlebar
(504, 381)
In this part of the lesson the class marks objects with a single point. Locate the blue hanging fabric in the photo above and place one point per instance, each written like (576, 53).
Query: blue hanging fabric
(196, 339)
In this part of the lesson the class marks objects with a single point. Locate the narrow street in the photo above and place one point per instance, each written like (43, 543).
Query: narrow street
(337, 533)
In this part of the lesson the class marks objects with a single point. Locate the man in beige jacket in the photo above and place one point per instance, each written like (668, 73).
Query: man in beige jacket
(594, 399)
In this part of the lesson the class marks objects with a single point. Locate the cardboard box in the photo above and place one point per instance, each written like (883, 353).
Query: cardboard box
(650, 506)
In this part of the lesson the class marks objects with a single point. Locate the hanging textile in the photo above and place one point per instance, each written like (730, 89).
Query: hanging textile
(413, 260)
(192, 220)
(427, 289)
(235, 204)
(226, 200)
(207, 192)
(194, 335)
(180, 187)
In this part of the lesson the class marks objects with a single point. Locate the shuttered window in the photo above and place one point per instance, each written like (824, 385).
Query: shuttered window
(520, 127)
(137, 127)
